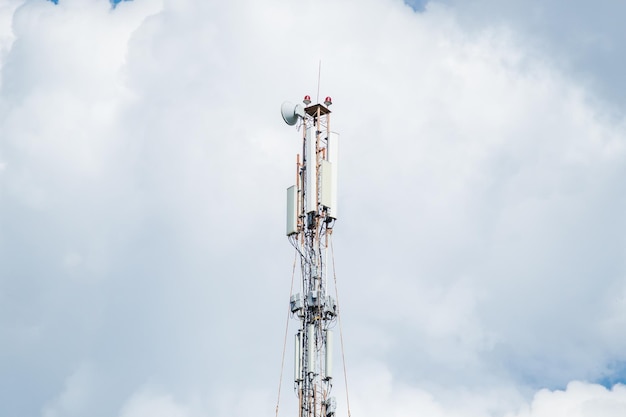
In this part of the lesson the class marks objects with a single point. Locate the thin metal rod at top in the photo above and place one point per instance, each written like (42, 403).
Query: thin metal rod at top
(319, 76)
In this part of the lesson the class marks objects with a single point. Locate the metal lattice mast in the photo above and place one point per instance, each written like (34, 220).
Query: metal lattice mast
(311, 215)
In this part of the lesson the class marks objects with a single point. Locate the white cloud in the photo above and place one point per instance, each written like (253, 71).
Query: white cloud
(72, 260)
(585, 40)
(147, 404)
(76, 396)
(480, 249)
(579, 399)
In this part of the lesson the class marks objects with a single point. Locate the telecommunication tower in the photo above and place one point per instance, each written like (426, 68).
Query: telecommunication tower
(311, 215)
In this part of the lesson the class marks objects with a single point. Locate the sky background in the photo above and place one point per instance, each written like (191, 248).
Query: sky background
(480, 252)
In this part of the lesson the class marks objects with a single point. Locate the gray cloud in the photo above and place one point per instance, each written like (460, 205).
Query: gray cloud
(585, 39)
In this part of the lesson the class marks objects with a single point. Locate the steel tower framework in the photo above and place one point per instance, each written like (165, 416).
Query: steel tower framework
(311, 215)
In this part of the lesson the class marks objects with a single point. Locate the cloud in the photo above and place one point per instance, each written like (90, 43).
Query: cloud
(578, 399)
(145, 404)
(142, 262)
(583, 39)
(75, 398)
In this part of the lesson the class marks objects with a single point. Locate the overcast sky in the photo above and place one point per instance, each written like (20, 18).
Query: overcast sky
(480, 252)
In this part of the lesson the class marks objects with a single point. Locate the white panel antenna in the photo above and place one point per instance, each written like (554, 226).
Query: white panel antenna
(292, 210)
(326, 175)
(328, 367)
(310, 157)
(333, 157)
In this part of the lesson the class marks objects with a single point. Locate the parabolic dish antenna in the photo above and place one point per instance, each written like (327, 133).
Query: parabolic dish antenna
(291, 112)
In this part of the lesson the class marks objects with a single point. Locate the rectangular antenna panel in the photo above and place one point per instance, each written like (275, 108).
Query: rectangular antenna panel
(328, 366)
(326, 176)
(333, 158)
(311, 170)
(311, 349)
(297, 358)
(292, 210)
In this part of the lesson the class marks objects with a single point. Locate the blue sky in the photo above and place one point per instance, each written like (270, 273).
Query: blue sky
(417, 5)
(143, 163)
